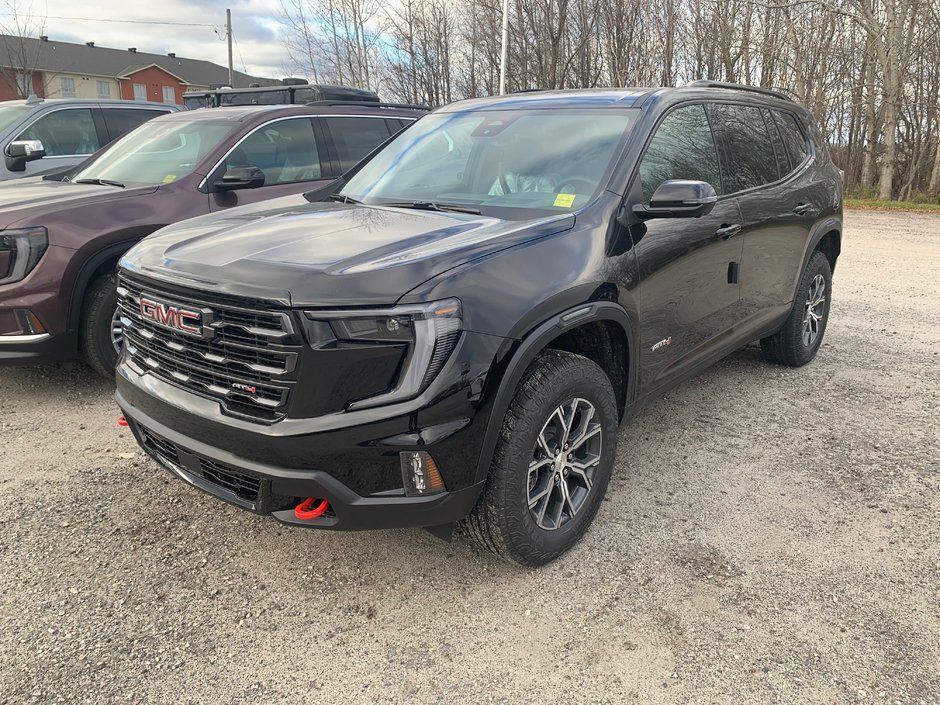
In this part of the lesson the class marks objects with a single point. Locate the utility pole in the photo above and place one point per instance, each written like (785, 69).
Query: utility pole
(504, 51)
(228, 36)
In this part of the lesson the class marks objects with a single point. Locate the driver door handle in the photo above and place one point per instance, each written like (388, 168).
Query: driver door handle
(726, 231)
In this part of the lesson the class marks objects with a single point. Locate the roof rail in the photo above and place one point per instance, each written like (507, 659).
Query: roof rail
(739, 87)
(368, 104)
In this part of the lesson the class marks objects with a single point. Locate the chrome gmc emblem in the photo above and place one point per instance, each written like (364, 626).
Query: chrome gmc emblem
(177, 318)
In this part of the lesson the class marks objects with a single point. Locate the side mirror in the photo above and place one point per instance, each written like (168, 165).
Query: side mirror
(239, 177)
(678, 198)
(21, 151)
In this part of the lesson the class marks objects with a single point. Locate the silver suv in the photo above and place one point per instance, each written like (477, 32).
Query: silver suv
(40, 136)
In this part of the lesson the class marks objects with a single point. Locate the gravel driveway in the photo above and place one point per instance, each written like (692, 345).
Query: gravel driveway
(770, 536)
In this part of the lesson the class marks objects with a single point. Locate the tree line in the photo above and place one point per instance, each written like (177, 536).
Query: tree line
(869, 70)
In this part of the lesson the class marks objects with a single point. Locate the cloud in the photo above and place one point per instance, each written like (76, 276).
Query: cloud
(258, 48)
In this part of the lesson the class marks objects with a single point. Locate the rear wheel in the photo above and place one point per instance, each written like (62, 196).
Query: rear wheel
(798, 341)
(552, 462)
(101, 335)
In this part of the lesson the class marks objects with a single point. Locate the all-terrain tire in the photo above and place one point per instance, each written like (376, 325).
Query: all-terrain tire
(502, 521)
(794, 344)
(96, 342)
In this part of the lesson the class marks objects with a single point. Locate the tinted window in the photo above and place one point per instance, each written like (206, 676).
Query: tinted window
(780, 154)
(65, 132)
(355, 137)
(681, 148)
(793, 138)
(747, 146)
(286, 151)
(122, 120)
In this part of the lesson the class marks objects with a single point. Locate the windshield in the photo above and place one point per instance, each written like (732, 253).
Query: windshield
(10, 114)
(157, 152)
(511, 164)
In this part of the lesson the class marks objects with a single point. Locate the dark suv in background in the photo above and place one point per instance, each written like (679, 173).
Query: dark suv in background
(60, 240)
(456, 332)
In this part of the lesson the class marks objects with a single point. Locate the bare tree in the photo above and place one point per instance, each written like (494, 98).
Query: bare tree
(21, 52)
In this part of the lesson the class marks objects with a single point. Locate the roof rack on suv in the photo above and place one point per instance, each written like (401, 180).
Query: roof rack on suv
(290, 93)
(738, 87)
(364, 104)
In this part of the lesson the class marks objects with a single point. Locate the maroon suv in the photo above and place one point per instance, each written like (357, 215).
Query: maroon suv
(60, 240)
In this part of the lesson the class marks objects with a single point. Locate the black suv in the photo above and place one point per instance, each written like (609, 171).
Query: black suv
(452, 332)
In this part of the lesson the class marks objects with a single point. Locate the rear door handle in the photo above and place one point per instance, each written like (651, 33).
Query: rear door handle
(726, 231)
(804, 209)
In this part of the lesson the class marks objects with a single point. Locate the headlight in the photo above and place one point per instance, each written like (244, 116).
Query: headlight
(20, 251)
(429, 330)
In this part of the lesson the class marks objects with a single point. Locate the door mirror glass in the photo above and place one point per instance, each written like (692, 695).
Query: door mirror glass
(239, 177)
(679, 198)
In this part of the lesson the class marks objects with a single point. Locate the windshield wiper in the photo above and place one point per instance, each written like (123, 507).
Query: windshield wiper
(343, 199)
(432, 206)
(99, 182)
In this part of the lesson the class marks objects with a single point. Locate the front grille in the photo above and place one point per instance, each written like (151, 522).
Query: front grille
(244, 486)
(244, 358)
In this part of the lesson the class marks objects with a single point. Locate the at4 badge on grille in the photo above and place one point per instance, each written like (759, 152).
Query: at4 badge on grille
(191, 321)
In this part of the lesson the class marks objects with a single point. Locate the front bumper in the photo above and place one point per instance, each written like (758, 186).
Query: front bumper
(270, 469)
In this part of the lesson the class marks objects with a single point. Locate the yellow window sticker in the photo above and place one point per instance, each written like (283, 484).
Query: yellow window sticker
(169, 178)
(564, 200)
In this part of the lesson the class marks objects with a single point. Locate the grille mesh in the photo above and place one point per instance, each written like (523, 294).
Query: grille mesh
(245, 359)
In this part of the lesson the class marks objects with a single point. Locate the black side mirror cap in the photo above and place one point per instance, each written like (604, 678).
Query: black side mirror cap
(239, 177)
(679, 198)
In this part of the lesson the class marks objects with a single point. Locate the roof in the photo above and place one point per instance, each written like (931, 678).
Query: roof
(66, 57)
(582, 98)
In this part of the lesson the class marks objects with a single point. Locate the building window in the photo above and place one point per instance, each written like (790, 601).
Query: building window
(67, 87)
(24, 84)
(169, 94)
(140, 91)
(104, 89)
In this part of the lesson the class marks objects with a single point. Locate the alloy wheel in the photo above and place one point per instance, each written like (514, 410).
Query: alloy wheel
(564, 462)
(117, 331)
(814, 310)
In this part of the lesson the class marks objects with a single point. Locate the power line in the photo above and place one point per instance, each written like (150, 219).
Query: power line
(103, 19)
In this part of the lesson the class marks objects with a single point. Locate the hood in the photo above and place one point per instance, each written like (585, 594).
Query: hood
(317, 254)
(20, 198)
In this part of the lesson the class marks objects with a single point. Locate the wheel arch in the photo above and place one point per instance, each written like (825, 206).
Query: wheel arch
(601, 331)
(94, 267)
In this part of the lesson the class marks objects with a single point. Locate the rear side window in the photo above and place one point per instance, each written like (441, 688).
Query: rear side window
(681, 148)
(65, 132)
(747, 147)
(355, 137)
(120, 121)
(793, 138)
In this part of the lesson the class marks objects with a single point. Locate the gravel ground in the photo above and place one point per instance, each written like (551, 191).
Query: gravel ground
(771, 536)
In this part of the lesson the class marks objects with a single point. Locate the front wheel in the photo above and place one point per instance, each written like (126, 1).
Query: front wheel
(101, 328)
(798, 341)
(552, 463)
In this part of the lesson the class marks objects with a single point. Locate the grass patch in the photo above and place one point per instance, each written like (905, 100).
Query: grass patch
(874, 204)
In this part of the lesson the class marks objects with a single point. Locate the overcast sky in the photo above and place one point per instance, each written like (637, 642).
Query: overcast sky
(258, 49)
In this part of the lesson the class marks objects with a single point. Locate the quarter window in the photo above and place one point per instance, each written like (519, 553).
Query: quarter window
(747, 146)
(286, 151)
(65, 132)
(355, 137)
(793, 138)
(681, 148)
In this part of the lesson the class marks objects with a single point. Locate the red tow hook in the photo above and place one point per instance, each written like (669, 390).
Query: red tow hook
(122, 422)
(306, 510)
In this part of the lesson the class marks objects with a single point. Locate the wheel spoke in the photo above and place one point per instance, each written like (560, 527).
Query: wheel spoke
(533, 501)
(585, 437)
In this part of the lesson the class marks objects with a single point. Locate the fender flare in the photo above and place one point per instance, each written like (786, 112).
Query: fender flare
(817, 234)
(532, 344)
(85, 275)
